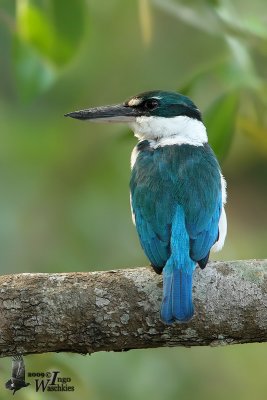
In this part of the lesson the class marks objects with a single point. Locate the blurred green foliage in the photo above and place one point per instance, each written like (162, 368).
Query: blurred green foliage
(220, 122)
(46, 38)
(64, 200)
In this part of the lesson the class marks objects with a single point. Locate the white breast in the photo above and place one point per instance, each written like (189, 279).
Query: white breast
(223, 220)
(134, 156)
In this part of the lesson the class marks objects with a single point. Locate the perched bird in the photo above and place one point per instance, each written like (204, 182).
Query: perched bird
(17, 380)
(177, 190)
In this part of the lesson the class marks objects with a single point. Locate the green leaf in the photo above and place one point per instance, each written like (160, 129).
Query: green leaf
(32, 75)
(220, 122)
(47, 38)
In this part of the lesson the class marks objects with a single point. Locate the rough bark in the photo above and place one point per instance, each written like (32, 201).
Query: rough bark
(119, 310)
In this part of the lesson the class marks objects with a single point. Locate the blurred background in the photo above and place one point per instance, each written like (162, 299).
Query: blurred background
(64, 203)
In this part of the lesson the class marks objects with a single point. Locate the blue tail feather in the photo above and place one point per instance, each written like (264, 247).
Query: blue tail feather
(182, 305)
(177, 301)
(166, 306)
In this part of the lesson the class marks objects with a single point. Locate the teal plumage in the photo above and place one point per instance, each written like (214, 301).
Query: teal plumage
(176, 201)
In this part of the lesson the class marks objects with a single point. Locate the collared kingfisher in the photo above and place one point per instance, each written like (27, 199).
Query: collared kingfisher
(177, 190)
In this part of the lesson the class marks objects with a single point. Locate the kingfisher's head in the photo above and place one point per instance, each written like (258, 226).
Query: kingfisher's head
(156, 115)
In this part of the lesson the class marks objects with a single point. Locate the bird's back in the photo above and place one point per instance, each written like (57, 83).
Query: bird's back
(168, 176)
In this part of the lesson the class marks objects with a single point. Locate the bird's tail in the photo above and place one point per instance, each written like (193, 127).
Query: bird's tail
(177, 293)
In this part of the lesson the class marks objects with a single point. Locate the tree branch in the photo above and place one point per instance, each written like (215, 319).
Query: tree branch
(119, 310)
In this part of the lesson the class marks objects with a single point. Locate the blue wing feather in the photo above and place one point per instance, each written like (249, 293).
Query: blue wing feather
(202, 240)
(155, 247)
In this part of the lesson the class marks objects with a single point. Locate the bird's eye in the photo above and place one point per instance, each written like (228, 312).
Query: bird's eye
(151, 104)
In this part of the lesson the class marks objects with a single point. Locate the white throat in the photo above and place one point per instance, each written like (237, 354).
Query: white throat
(168, 131)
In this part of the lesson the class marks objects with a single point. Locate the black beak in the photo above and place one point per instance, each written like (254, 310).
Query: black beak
(115, 113)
